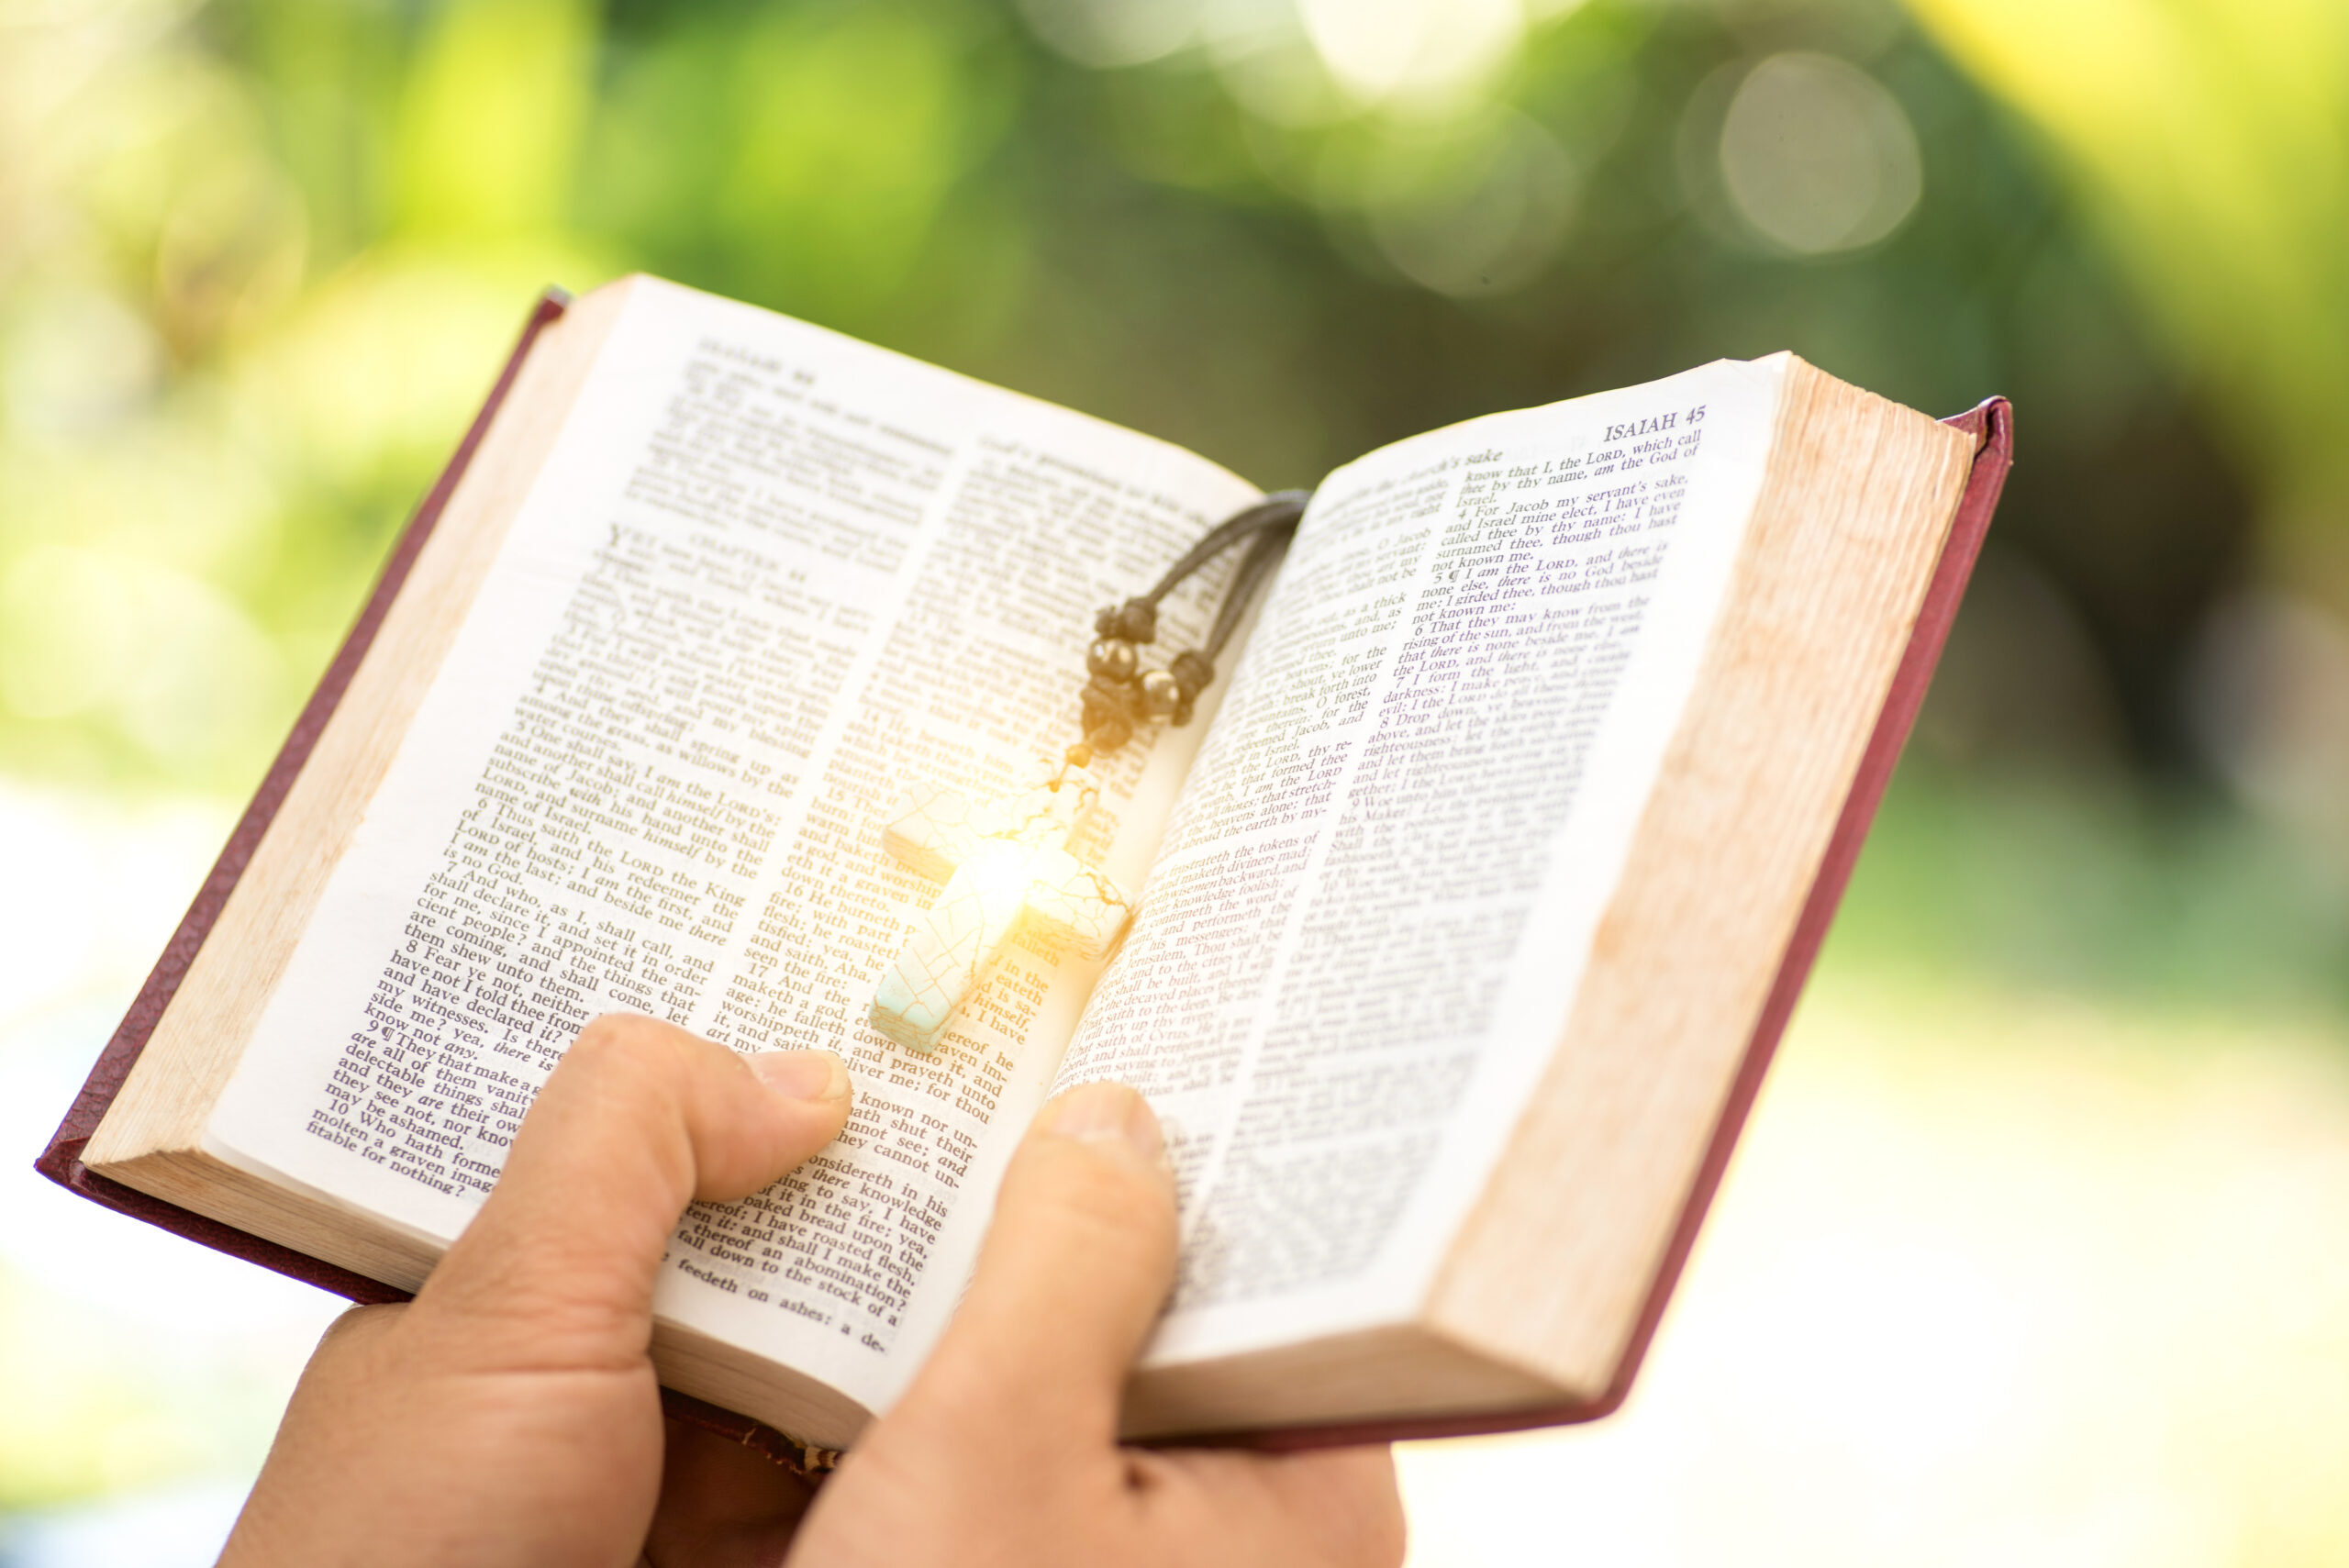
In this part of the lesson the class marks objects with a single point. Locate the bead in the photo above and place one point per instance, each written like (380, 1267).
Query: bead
(1138, 621)
(1113, 731)
(1162, 694)
(1094, 706)
(1192, 671)
(1111, 696)
(1100, 702)
(1112, 659)
(1078, 756)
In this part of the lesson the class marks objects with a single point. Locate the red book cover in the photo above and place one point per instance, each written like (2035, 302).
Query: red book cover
(1990, 424)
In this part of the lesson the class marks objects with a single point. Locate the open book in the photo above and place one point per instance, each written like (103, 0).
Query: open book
(1472, 900)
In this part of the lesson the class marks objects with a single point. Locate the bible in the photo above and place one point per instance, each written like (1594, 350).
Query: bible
(1472, 900)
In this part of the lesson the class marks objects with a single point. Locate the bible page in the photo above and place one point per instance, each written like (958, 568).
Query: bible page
(1360, 939)
(769, 578)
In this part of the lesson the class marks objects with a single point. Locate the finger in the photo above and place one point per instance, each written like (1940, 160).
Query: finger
(1073, 1272)
(637, 1120)
(308, 1460)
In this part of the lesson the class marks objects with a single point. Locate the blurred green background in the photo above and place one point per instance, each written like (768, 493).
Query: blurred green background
(259, 260)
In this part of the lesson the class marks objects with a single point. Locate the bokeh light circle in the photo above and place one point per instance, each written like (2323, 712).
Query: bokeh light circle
(1818, 156)
(1106, 33)
(1478, 208)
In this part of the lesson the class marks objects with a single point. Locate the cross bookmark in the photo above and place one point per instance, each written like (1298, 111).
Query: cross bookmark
(1002, 863)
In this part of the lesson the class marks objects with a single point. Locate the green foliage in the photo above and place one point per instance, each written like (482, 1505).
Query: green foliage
(264, 255)
(259, 260)
(2210, 139)
(486, 138)
(2032, 884)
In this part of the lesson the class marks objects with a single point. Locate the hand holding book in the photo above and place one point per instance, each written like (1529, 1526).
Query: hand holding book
(1470, 904)
(511, 1414)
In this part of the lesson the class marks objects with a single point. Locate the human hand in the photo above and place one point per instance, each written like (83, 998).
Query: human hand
(509, 1415)
(1004, 1451)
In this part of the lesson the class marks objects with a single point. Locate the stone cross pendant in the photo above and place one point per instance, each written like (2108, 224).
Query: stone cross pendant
(1002, 863)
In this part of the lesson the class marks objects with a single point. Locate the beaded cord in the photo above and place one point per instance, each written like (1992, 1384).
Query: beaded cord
(1120, 695)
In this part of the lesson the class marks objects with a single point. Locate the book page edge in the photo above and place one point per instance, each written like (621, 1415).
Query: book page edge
(1594, 1321)
(198, 1041)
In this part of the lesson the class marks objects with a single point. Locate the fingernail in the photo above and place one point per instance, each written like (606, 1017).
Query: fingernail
(1106, 1113)
(802, 1075)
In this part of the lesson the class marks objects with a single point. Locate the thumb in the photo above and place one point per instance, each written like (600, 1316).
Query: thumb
(638, 1119)
(1076, 1268)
